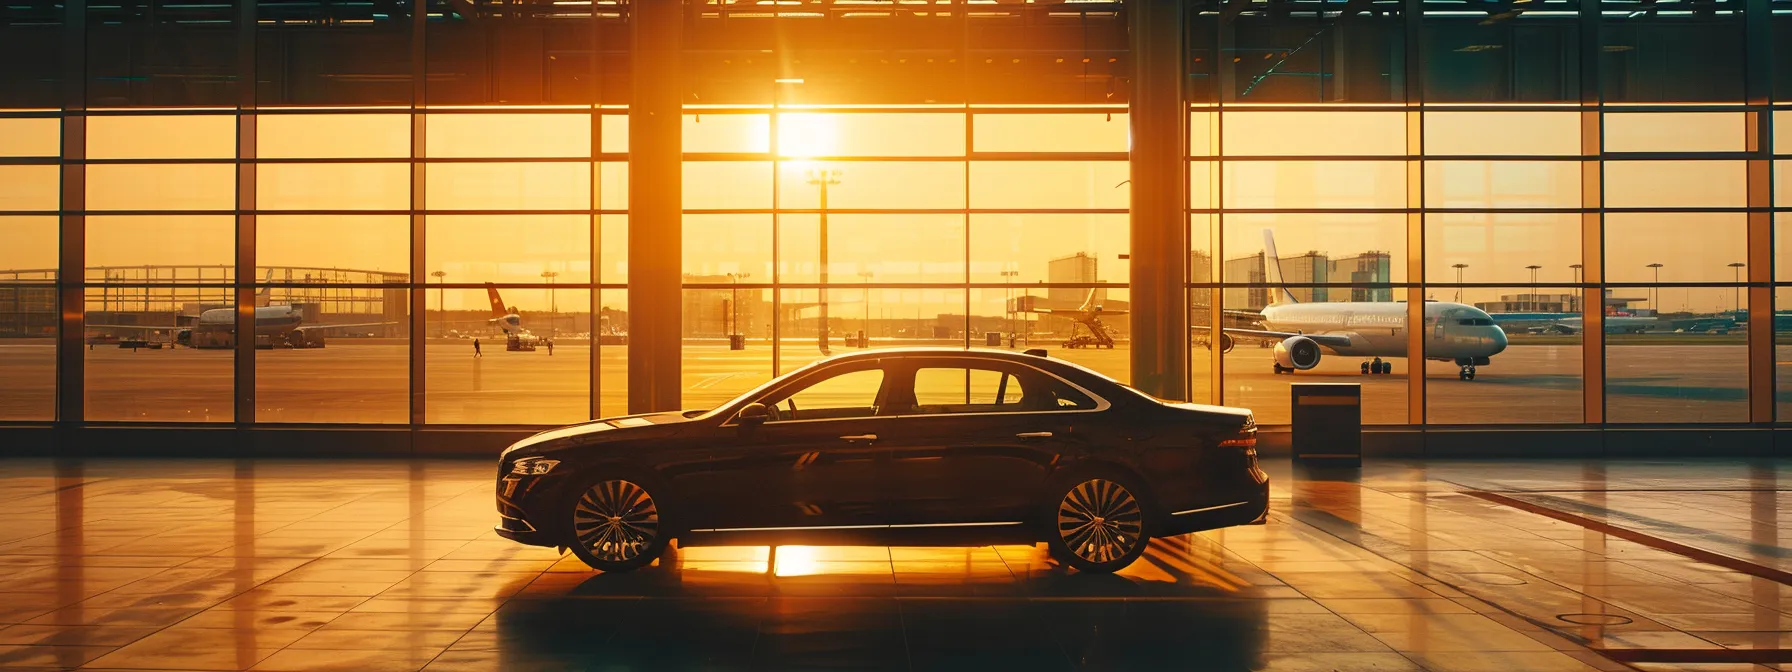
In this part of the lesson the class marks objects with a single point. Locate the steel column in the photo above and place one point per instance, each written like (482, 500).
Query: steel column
(1758, 80)
(1592, 253)
(655, 241)
(71, 272)
(1159, 118)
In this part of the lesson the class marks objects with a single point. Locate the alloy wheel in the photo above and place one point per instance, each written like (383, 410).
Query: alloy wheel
(1100, 521)
(616, 520)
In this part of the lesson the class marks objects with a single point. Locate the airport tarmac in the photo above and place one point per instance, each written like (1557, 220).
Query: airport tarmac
(365, 383)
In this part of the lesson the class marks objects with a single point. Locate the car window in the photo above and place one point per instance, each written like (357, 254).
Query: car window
(851, 394)
(992, 388)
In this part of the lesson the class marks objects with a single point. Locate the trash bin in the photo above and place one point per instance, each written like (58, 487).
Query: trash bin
(992, 339)
(737, 341)
(1328, 423)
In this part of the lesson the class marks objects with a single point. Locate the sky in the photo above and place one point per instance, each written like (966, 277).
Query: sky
(893, 247)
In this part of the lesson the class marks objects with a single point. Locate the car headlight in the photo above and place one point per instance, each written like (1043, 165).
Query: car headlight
(533, 466)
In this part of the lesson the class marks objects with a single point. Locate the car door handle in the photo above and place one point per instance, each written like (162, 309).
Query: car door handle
(1033, 435)
(859, 437)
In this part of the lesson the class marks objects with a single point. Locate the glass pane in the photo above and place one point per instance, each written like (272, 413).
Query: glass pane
(612, 338)
(1315, 184)
(1105, 132)
(1502, 184)
(333, 136)
(890, 317)
(1664, 184)
(334, 248)
(509, 186)
(727, 248)
(1535, 378)
(1314, 133)
(1472, 55)
(873, 248)
(1782, 184)
(1700, 375)
(1782, 140)
(30, 252)
(1379, 322)
(510, 248)
(1782, 249)
(888, 185)
(360, 335)
(1502, 133)
(1782, 353)
(727, 133)
(162, 137)
(1502, 247)
(1690, 55)
(333, 54)
(1059, 185)
(209, 186)
(333, 186)
(808, 135)
(612, 186)
(25, 188)
(1315, 249)
(612, 249)
(728, 185)
(1675, 132)
(28, 325)
(132, 332)
(31, 137)
(1098, 338)
(532, 382)
(1690, 247)
(713, 371)
(1028, 248)
(614, 128)
(1200, 357)
(164, 248)
(505, 136)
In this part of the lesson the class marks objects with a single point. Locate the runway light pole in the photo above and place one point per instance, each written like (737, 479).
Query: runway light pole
(1736, 267)
(1008, 277)
(1459, 268)
(865, 276)
(553, 308)
(441, 312)
(823, 178)
(1656, 302)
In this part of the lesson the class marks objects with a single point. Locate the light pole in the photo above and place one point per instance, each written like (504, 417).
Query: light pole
(441, 312)
(1656, 302)
(865, 276)
(823, 178)
(553, 308)
(1533, 268)
(1736, 267)
(1008, 277)
(1459, 268)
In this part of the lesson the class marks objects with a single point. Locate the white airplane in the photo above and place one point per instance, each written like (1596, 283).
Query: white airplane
(1462, 334)
(1089, 315)
(509, 320)
(283, 325)
(1570, 323)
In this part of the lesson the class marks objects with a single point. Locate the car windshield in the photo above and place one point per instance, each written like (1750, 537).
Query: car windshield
(757, 391)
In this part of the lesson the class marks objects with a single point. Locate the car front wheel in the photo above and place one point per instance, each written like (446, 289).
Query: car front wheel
(616, 525)
(1098, 524)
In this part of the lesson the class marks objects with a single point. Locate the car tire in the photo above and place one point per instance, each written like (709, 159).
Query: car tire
(616, 522)
(1097, 522)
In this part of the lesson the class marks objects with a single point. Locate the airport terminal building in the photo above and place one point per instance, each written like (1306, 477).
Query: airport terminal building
(387, 227)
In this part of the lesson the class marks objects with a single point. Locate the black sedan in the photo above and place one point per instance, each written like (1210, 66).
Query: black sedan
(900, 446)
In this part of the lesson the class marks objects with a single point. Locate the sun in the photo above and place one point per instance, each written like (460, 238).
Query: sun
(806, 135)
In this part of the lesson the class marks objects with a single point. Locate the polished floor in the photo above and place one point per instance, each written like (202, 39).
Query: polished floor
(366, 565)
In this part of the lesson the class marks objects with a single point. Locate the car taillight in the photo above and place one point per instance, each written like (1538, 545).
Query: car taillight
(1247, 442)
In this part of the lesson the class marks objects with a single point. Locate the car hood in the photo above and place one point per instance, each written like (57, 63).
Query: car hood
(604, 430)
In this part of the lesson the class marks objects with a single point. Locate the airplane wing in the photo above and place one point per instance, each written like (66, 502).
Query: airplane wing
(1328, 340)
(141, 327)
(315, 327)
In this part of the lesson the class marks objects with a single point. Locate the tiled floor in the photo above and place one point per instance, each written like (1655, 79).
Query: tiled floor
(363, 565)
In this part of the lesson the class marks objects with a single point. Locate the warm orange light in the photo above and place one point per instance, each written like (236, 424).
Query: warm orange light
(807, 135)
(795, 561)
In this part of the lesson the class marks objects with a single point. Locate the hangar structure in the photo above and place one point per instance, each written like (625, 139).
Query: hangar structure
(690, 197)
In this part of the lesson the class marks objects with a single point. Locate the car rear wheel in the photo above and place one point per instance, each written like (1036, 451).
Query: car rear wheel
(616, 525)
(1098, 524)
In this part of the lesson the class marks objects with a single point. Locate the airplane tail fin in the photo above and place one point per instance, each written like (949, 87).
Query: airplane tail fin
(491, 292)
(266, 294)
(1089, 304)
(1272, 271)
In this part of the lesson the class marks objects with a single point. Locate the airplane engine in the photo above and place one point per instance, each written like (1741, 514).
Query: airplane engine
(1298, 353)
(1226, 343)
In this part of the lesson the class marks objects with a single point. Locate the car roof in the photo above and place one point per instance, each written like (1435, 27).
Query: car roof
(1035, 357)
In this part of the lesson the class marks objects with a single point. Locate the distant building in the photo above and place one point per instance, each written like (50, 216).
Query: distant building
(1368, 268)
(710, 313)
(1245, 270)
(1306, 268)
(1532, 303)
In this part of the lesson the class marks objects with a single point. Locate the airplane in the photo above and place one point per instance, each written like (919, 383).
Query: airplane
(1458, 333)
(1570, 323)
(282, 325)
(1088, 315)
(510, 321)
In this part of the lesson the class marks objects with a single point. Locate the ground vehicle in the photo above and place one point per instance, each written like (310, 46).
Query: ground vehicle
(898, 446)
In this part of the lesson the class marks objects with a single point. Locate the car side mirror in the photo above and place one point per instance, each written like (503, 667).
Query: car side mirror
(753, 414)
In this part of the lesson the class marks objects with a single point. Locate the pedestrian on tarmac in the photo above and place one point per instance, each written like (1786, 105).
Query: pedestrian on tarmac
(476, 348)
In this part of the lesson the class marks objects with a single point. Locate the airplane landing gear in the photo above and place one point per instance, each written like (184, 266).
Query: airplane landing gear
(1280, 369)
(1467, 373)
(1378, 367)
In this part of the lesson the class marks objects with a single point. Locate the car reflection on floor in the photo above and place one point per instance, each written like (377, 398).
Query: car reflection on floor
(789, 607)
